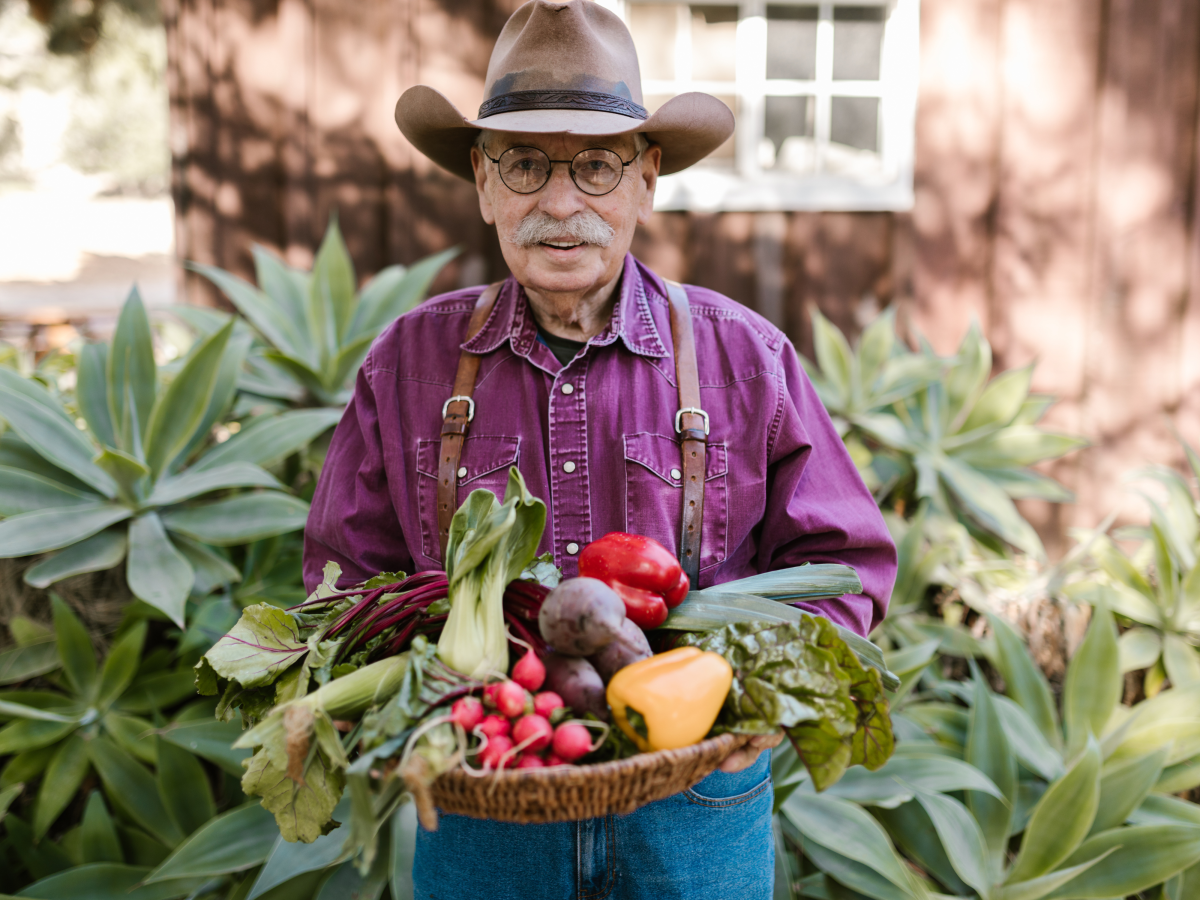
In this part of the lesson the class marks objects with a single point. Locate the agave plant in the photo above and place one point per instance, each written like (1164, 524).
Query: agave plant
(119, 478)
(96, 722)
(1084, 803)
(1157, 587)
(961, 439)
(317, 326)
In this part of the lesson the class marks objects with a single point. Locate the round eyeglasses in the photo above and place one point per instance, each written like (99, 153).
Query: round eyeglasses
(527, 169)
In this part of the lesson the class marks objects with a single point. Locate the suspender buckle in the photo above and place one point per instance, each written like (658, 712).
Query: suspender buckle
(471, 407)
(694, 411)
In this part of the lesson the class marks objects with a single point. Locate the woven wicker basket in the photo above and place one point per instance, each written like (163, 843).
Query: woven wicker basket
(567, 793)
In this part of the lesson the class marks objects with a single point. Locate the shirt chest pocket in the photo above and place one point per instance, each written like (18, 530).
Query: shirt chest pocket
(654, 494)
(484, 463)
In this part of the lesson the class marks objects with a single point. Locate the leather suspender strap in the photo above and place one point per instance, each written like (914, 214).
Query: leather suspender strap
(457, 413)
(691, 424)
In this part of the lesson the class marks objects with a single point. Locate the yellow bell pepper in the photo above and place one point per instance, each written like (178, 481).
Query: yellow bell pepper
(670, 700)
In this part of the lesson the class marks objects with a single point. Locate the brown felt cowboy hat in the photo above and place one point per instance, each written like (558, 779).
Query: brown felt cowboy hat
(564, 66)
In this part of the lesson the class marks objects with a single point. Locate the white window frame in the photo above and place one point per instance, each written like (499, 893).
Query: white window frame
(749, 188)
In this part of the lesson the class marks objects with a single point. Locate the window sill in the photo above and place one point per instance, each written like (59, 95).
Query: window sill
(711, 190)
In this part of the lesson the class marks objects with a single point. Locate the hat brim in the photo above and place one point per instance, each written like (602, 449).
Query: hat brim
(687, 127)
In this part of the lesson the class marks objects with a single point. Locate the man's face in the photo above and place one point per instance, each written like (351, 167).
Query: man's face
(541, 266)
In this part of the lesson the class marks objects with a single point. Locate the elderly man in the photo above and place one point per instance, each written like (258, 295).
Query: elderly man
(629, 404)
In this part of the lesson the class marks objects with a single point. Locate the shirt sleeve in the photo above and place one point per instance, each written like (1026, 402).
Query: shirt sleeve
(352, 521)
(818, 509)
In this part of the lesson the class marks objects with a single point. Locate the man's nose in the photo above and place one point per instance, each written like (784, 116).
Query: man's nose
(560, 197)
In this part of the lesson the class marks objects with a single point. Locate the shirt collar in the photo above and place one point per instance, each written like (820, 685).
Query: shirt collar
(512, 319)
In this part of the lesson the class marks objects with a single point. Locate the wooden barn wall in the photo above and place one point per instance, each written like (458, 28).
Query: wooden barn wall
(1055, 192)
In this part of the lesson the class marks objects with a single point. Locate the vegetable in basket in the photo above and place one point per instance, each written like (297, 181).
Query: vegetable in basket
(641, 570)
(670, 700)
(490, 544)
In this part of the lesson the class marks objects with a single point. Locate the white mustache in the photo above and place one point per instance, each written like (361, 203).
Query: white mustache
(583, 227)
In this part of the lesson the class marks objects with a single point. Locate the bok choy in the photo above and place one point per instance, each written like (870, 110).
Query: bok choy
(490, 544)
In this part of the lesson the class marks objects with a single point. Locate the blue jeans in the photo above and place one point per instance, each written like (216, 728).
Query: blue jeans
(712, 842)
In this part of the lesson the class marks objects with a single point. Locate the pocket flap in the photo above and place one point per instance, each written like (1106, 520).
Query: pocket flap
(662, 456)
(482, 454)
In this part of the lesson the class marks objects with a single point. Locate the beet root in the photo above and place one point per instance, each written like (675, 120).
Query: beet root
(580, 616)
(630, 646)
(578, 683)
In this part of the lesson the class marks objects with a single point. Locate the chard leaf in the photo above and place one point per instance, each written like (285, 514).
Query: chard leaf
(802, 677)
(264, 642)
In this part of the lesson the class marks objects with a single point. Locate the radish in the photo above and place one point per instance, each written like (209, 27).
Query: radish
(553, 759)
(511, 699)
(535, 732)
(529, 672)
(547, 702)
(492, 756)
(467, 712)
(494, 726)
(530, 761)
(571, 741)
(490, 691)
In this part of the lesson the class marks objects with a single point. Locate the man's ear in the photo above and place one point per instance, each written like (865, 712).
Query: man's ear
(479, 164)
(651, 160)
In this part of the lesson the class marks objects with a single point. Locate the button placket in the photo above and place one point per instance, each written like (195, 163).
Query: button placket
(570, 497)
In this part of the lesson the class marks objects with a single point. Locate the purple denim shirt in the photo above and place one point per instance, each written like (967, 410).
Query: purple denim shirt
(595, 439)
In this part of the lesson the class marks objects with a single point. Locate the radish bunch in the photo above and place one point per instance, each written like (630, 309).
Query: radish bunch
(520, 729)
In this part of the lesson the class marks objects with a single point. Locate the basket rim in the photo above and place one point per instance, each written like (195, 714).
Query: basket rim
(569, 772)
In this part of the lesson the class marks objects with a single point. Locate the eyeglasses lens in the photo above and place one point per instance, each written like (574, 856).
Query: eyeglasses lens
(526, 169)
(597, 171)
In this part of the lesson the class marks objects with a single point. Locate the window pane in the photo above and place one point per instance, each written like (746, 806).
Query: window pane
(789, 134)
(792, 42)
(857, 39)
(855, 122)
(653, 28)
(714, 42)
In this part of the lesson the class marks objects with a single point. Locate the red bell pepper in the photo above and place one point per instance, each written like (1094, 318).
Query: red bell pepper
(641, 570)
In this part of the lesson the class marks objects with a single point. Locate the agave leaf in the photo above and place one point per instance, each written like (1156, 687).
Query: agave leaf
(43, 425)
(834, 356)
(269, 317)
(62, 779)
(1025, 484)
(347, 360)
(960, 835)
(394, 291)
(95, 554)
(130, 787)
(98, 835)
(1181, 660)
(180, 409)
(239, 519)
(132, 374)
(121, 664)
(1139, 648)
(269, 440)
(1000, 401)
(1036, 888)
(52, 529)
(1019, 445)
(232, 842)
(1093, 683)
(1025, 681)
(332, 289)
(229, 375)
(966, 379)
(126, 470)
(989, 751)
(988, 505)
(1028, 743)
(1061, 819)
(22, 491)
(157, 573)
(91, 392)
(193, 483)
(1138, 858)
(285, 286)
(1124, 784)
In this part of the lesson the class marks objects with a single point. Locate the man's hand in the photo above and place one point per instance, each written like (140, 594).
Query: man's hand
(748, 755)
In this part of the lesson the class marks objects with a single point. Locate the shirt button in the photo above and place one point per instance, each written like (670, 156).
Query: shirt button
(572, 548)
(568, 467)
(568, 388)
(676, 474)
(462, 472)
